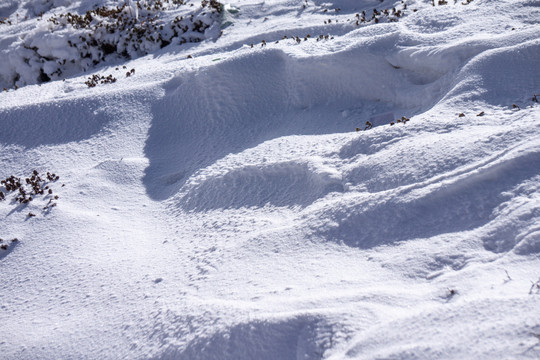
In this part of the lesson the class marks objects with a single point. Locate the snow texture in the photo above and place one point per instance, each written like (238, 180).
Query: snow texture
(285, 179)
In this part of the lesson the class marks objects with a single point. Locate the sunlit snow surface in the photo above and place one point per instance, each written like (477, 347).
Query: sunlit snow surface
(219, 204)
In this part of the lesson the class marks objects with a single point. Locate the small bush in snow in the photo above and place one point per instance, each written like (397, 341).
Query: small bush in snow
(28, 189)
(97, 79)
(4, 244)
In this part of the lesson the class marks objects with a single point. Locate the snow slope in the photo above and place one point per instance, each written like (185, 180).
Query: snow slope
(219, 204)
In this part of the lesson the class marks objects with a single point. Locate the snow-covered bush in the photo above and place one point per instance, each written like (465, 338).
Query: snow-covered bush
(66, 43)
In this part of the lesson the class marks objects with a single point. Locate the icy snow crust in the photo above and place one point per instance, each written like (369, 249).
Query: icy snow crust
(222, 205)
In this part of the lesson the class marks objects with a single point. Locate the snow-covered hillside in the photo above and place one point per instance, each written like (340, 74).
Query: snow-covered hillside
(275, 179)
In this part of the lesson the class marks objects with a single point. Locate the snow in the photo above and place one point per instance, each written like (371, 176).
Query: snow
(218, 203)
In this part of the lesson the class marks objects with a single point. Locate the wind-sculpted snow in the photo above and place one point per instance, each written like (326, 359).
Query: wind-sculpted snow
(52, 123)
(501, 73)
(405, 343)
(298, 180)
(284, 94)
(281, 184)
(291, 338)
(453, 204)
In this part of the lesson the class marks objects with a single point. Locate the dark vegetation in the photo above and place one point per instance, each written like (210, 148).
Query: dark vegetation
(95, 79)
(365, 17)
(23, 191)
(30, 188)
(4, 244)
(99, 79)
(133, 28)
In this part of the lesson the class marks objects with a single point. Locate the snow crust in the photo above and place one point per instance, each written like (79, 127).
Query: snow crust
(218, 202)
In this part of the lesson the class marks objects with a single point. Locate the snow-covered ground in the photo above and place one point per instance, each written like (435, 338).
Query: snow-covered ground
(218, 202)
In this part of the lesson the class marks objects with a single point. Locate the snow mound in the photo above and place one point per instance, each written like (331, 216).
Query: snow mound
(459, 202)
(497, 75)
(53, 123)
(406, 343)
(283, 94)
(301, 337)
(280, 184)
